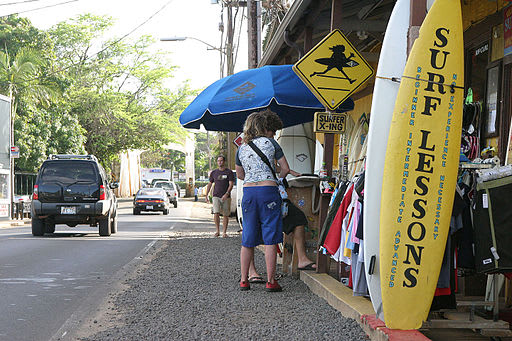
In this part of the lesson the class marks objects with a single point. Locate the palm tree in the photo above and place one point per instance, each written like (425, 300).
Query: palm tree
(20, 77)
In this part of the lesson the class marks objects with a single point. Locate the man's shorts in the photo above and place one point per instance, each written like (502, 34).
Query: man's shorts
(220, 206)
(262, 222)
(294, 218)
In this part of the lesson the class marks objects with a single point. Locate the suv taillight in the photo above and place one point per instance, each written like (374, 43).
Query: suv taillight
(35, 193)
(102, 192)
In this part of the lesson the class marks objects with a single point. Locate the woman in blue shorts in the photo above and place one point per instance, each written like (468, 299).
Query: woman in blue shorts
(261, 203)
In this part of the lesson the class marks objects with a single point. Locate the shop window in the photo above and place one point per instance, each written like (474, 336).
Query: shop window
(479, 58)
(491, 102)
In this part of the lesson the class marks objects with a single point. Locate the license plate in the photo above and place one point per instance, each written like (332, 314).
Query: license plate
(68, 210)
(148, 207)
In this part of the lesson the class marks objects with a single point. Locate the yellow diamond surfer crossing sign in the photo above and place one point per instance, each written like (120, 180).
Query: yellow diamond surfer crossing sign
(333, 69)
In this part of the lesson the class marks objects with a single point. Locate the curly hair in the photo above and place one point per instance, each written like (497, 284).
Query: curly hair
(254, 126)
(272, 121)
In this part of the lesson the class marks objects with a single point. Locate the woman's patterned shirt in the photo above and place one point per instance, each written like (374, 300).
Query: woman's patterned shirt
(255, 169)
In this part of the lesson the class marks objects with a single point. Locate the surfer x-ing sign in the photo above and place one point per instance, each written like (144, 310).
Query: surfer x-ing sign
(333, 70)
(326, 122)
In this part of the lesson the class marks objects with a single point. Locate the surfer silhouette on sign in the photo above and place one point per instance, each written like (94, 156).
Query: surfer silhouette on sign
(337, 60)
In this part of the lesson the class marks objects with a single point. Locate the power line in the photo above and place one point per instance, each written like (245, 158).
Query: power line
(38, 8)
(108, 46)
(18, 2)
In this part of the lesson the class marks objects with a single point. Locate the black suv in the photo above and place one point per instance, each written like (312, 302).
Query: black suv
(72, 190)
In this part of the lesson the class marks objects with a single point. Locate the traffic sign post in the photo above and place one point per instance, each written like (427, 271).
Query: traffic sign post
(333, 70)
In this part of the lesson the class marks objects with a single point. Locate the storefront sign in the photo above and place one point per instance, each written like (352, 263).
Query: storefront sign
(15, 152)
(326, 122)
(507, 28)
(4, 210)
(482, 49)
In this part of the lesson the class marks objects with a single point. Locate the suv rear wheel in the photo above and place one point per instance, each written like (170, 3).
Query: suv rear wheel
(49, 227)
(113, 226)
(37, 227)
(104, 225)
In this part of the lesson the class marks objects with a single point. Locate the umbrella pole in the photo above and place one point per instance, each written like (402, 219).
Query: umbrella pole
(209, 150)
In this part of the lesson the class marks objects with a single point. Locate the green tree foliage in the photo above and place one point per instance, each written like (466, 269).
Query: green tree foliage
(74, 93)
(17, 33)
(163, 158)
(202, 155)
(21, 76)
(120, 87)
(44, 132)
(41, 127)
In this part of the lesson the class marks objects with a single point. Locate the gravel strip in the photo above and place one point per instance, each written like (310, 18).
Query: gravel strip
(189, 290)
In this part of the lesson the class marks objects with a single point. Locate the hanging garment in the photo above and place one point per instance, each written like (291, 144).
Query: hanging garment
(346, 245)
(351, 228)
(359, 234)
(333, 237)
(331, 213)
(463, 239)
(359, 285)
(352, 211)
(339, 255)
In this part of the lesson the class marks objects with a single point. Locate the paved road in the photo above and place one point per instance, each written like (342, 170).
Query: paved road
(46, 282)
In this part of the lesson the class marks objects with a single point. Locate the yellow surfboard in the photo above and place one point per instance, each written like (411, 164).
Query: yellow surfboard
(420, 170)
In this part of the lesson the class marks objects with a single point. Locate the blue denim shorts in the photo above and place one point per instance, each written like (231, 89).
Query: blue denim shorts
(262, 221)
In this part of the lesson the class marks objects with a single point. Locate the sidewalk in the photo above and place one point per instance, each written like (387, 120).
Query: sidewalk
(14, 223)
(187, 288)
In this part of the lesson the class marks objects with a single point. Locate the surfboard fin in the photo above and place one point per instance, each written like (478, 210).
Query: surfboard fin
(371, 268)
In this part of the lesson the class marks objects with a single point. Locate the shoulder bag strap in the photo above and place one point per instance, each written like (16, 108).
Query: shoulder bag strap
(263, 157)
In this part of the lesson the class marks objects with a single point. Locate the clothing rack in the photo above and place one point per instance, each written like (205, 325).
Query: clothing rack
(456, 319)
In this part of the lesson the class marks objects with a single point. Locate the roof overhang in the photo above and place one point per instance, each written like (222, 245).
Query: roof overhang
(364, 23)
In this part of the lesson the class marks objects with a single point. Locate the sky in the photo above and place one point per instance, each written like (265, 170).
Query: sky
(193, 18)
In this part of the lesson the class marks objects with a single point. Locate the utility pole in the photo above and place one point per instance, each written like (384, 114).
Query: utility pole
(230, 67)
(230, 33)
(254, 31)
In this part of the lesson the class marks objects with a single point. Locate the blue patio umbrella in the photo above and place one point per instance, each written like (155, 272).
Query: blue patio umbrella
(225, 104)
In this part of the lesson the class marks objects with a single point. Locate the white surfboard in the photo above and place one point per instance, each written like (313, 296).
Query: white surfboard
(239, 194)
(319, 156)
(297, 147)
(393, 57)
